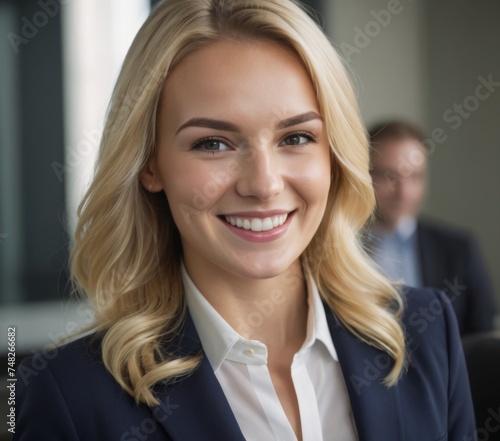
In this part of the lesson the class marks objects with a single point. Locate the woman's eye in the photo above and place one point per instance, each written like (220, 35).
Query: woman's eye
(298, 139)
(211, 145)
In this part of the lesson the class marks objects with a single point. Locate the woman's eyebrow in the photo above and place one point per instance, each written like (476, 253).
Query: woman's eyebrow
(210, 124)
(230, 127)
(298, 119)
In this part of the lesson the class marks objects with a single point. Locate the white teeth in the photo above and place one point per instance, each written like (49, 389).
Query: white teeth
(256, 223)
(267, 224)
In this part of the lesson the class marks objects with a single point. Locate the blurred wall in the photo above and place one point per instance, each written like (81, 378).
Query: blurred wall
(424, 61)
(465, 175)
(385, 50)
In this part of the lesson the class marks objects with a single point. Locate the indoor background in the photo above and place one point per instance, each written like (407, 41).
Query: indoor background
(420, 60)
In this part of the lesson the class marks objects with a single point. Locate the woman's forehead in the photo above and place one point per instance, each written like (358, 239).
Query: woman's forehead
(239, 78)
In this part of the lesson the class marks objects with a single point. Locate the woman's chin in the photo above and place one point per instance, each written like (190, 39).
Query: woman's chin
(261, 269)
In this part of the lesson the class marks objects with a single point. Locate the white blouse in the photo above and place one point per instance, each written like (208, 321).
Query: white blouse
(240, 365)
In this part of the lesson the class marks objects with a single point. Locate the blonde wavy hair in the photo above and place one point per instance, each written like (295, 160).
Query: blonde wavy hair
(127, 253)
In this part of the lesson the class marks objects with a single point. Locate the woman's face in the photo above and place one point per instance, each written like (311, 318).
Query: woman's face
(243, 157)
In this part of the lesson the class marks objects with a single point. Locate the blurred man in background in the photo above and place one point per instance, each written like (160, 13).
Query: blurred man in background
(417, 251)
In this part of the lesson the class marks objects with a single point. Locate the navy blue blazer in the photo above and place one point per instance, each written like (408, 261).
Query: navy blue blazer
(450, 260)
(67, 394)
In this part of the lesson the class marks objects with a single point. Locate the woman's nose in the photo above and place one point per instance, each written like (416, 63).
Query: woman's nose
(261, 174)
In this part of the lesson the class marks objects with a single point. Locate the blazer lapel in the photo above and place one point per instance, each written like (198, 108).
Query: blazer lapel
(375, 407)
(195, 408)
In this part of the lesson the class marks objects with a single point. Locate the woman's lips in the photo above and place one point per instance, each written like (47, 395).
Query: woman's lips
(257, 223)
(262, 228)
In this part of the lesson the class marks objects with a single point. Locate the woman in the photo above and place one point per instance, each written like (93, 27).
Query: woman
(218, 244)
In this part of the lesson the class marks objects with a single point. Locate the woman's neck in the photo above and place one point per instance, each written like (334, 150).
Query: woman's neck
(272, 311)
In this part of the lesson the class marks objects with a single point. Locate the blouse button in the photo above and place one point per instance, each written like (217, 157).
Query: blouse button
(249, 352)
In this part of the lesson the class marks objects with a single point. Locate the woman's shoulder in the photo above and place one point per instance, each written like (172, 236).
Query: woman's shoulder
(425, 304)
(85, 400)
(427, 310)
(436, 365)
(430, 325)
(74, 370)
(67, 359)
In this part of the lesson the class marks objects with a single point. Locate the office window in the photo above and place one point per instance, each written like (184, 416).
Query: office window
(59, 64)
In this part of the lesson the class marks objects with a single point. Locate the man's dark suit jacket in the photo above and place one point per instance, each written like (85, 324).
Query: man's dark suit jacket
(67, 394)
(450, 260)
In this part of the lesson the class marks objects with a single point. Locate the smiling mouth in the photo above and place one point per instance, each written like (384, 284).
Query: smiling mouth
(257, 224)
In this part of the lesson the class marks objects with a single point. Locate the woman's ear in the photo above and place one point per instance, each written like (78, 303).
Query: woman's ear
(150, 178)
